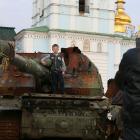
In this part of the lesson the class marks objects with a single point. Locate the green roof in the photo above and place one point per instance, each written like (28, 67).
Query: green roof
(7, 33)
(38, 29)
(94, 33)
(46, 29)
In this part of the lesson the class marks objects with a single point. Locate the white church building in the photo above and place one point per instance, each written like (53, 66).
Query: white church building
(100, 28)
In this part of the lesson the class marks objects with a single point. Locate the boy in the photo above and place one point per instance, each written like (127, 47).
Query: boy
(57, 69)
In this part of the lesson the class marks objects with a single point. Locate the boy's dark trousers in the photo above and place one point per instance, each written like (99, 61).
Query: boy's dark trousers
(57, 79)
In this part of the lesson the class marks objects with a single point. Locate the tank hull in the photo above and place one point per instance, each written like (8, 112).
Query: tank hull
(37, 116)
(57, 116)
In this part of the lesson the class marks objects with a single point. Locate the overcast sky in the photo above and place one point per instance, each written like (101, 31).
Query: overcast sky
(18, 13)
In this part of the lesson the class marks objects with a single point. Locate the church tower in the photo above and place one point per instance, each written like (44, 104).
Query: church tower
(75, 15)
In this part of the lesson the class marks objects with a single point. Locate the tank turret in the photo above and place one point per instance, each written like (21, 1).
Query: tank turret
(81, 78)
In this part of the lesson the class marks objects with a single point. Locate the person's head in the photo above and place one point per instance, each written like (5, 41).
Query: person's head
(55, 48)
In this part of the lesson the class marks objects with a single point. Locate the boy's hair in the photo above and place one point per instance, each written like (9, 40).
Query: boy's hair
(55, 45)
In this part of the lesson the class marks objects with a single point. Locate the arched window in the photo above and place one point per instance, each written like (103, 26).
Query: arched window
(84, 6)
(86, 45)
(99, 47)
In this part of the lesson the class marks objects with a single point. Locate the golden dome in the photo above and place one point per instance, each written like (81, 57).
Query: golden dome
(121, 18)
(120, 1)
(121, 13)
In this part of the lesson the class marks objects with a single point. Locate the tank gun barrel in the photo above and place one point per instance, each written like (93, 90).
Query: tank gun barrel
(30, 66)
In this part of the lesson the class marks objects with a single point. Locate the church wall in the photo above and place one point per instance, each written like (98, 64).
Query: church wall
(117, 56)
(103, 26)
(19, 45)
(111, 23)
(64, 22)
(55, 1)
(62, 43)
(88, 24)
(123, 50)
(33, 42)
(125, 46)
(104, 22)
(111, 60)
(53, 21)
(103, 4)
(28, 44)
(65, 9)
(40, 45)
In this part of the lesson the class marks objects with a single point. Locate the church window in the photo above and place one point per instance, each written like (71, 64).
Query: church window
(99, 47)
(86, 46)
(84, 6)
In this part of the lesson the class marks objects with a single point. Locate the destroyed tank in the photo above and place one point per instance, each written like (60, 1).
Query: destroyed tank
(29, 111)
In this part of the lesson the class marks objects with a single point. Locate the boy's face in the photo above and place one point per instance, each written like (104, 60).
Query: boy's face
(55, 49)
